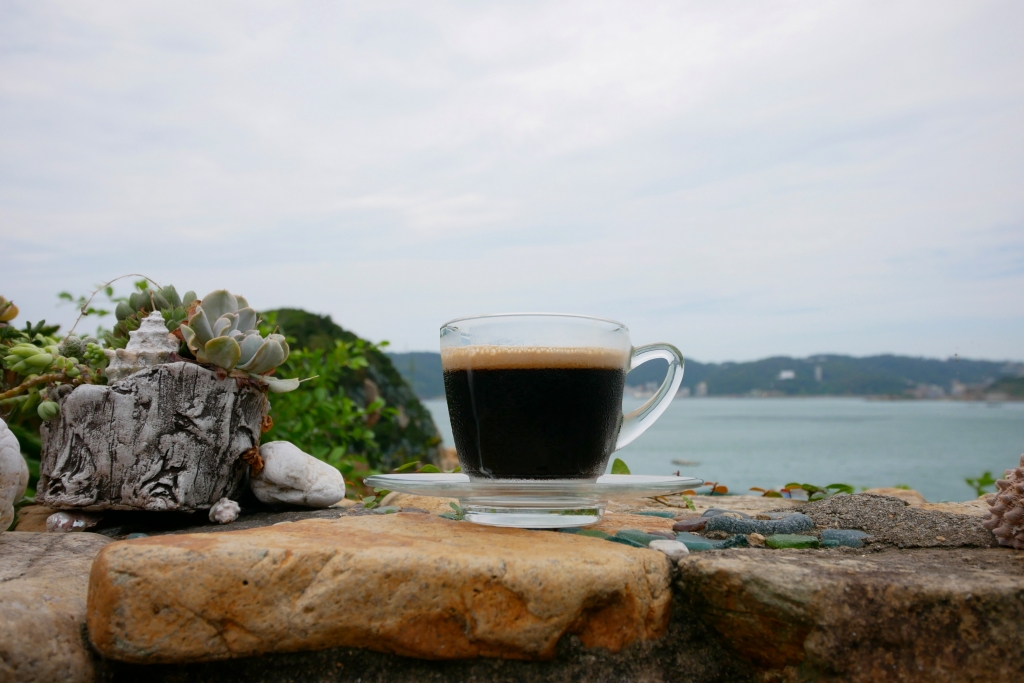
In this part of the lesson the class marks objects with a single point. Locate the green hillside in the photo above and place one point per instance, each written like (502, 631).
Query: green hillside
(840, 375)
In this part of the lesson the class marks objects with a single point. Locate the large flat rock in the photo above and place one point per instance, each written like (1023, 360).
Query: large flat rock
(43, 585)
(911, 615)
(408, 583)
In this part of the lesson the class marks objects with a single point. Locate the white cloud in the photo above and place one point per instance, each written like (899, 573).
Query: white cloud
(739, 178)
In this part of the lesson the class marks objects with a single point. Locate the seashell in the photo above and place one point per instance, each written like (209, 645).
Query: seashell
(148, 346)
(13, 475)
(1006, 509)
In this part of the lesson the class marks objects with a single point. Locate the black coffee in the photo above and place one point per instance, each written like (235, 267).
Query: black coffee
(534, 413)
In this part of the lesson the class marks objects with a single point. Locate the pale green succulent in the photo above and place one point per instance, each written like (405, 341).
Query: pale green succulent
(222, 331)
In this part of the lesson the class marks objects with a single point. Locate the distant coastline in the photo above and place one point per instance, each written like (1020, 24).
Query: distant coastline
(884, 377)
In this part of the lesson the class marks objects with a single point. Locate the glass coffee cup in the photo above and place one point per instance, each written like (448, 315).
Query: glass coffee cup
(538, 396)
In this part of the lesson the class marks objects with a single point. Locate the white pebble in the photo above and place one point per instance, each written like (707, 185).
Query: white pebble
(71, 521)
(224, 511)
(13, 475)
(674, 549)
(297, 478)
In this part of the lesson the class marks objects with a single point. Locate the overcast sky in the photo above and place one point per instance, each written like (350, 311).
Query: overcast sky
(741, 179)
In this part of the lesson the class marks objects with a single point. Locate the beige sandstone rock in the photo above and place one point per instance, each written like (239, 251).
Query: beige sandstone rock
(33, 518)
(411, 584)
(43, 584)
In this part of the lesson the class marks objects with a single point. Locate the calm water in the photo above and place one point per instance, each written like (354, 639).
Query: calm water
(928, 445)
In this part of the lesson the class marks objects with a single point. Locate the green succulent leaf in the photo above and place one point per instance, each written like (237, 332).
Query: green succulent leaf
(223, 352)
(281, 386)
(189, 297)
(123, 310)
(225, 324)
(250, 344)
(268, 357)
(619, 467)
(219, 302)
(170, 295)
(246, 319)
(200, 324)
(190, 337)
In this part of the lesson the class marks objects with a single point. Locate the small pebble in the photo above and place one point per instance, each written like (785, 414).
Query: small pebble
(715, 512)
(853, 538)
(136, 535)
(696, 543)
(224, 511)
(773, 515)
(791, 541)
(793, 524)
(674, 549)
(637, 536)
(756, 540)
(626, 541)
(71, 521)
(691, 524)
(830, 544)
(593, 533)
(657, 513)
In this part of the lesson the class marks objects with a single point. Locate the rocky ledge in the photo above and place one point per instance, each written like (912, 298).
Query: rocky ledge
(355, 595)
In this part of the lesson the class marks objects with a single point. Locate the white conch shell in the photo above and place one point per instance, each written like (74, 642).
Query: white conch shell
(148, 346)
(13, 475)
(1006, 512)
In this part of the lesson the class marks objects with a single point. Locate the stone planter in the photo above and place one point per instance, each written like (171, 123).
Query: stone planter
(170, 437)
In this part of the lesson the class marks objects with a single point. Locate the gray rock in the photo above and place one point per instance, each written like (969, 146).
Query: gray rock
(852, 538)
(891, 521)
(915, 616)
(791, 524)
(44, 579)
(296, 478)
(715, 512)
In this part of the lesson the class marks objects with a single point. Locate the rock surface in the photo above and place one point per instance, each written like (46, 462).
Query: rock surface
(920, 615)
(167, 438)
(410, 584)
(296, 478)
(43, 584)
(891, 521)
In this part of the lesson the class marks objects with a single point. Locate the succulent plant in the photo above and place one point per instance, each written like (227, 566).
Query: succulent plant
(221, 330)
(8, 311)
(129, 314)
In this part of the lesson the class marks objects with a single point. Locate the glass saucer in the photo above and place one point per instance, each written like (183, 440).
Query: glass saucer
(533, 503)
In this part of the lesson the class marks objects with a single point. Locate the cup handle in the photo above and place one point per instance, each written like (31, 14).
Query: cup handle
(636, 423)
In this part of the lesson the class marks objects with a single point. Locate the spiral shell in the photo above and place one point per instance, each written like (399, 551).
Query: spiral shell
(1006, 517)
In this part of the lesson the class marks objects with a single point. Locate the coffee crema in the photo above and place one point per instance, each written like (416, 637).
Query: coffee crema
(534, 412)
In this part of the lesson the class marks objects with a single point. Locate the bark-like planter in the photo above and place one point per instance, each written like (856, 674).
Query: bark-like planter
(169, 437)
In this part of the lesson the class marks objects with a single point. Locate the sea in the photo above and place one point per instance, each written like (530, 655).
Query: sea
(930, 446)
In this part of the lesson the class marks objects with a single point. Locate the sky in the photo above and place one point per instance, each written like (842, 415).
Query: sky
(740, 179)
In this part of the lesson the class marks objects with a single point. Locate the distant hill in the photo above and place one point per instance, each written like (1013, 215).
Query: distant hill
(780, 375)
